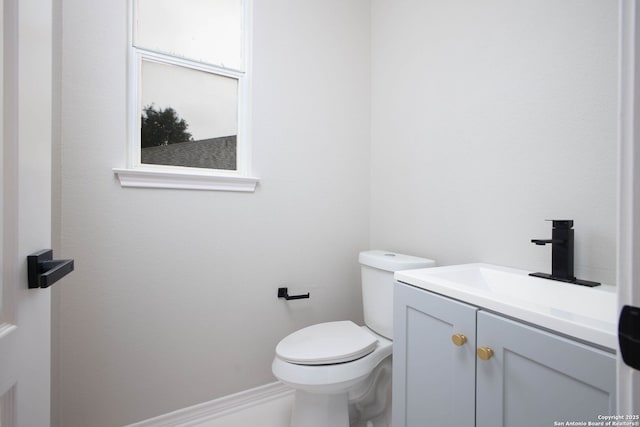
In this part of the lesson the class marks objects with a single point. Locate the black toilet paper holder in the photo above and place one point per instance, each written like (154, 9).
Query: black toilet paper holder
(284, 293)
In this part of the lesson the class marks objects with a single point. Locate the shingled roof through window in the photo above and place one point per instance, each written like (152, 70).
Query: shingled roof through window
(212, 153)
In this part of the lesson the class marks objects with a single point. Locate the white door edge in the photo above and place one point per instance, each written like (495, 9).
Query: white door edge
(628, 264)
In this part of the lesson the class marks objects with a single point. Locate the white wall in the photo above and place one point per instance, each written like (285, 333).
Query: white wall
(488, 118)
(173, 301)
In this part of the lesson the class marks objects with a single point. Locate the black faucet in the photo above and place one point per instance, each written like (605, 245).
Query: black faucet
(561, 254)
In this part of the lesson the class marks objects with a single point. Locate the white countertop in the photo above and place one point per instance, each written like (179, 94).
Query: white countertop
(588, 314)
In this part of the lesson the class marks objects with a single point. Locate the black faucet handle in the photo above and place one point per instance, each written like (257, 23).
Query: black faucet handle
(563, 224)
(542, 242)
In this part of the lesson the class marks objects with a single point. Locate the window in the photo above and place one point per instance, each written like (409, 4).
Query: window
(189, 85)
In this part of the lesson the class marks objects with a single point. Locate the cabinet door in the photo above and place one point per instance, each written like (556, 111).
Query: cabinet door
(433, 379)
(535, 378)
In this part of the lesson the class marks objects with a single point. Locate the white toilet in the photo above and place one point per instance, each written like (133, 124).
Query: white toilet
(341, 372)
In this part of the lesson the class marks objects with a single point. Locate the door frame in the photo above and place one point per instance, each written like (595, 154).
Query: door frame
(628, 229)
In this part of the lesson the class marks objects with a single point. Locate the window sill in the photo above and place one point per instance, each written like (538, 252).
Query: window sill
(149, 178)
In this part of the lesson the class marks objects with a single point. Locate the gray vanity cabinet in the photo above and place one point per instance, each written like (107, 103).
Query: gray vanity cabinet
(536, 378)
(433, 379)
(531, 377)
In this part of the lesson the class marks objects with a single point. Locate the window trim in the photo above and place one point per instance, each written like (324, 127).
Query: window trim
(140, 175)
(186, 179)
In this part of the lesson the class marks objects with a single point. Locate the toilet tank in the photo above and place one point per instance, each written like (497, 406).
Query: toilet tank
(377, 269)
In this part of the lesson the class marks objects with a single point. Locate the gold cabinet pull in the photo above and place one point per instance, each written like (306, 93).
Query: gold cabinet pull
(485, 353)
(458, 339)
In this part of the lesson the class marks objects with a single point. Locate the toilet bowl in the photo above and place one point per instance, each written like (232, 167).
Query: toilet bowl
(326, 394)
(341, 372)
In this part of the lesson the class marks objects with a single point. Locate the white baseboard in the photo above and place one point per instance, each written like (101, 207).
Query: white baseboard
(198, 414)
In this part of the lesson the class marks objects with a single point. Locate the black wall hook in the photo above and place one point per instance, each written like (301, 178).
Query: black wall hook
(44, 271)
(284, 293)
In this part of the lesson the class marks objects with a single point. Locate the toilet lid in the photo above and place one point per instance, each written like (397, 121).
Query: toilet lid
(326, 343)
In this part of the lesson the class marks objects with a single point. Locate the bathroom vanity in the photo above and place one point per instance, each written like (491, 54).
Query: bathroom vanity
(487, 346)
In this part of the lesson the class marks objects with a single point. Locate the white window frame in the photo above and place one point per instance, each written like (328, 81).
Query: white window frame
(138, 174)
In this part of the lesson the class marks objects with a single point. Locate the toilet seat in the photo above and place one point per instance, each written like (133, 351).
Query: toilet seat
(326, 343)
(335, 377)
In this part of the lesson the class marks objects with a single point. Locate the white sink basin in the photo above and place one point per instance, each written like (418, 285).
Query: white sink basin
(585, 313)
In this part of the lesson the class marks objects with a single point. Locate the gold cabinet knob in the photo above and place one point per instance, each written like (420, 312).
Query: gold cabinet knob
(458, 339)
(485, 353)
